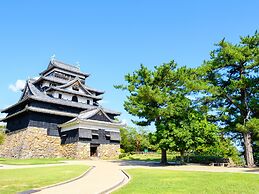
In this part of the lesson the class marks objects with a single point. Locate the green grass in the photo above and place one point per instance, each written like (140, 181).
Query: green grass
(150, 157)
(31, 161)
(15, 180)
(168, 181)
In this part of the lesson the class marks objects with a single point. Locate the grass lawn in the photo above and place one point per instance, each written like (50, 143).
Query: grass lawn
(15, 180)
(150, 157)
(31, 161)
(169, 181)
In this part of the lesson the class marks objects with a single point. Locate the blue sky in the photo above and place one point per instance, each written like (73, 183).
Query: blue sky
(112, 38)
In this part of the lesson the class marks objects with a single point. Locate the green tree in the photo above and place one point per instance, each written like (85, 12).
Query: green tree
(160, 96)
(133, 140)
(142, 140)
(224, 148)
(187, 131)
(128, 138)
(230, 85)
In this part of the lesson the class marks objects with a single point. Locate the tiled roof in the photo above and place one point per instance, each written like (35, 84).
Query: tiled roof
(89, 113)
(94, 90)
(64, 66)
(52, 79)
(85, 116)
(41, 110)
(41, 96)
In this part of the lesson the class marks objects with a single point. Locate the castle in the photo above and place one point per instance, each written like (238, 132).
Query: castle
(58, 115)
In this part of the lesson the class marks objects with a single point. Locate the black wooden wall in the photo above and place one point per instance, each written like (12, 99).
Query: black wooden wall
(19, 122)
(74, 136)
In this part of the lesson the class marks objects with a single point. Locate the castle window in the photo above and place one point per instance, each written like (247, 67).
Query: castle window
(75, 87)
(108, 137)
(88, 101)
(75, 99)
(95, 136)
(60, 96)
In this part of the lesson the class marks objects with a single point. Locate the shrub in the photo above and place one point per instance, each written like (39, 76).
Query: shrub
(122, 155)
(223, 149)
(204, 159)
(2, 135)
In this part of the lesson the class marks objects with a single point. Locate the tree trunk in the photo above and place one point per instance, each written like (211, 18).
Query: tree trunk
(182, 156)
(163, 157)
(248, 150)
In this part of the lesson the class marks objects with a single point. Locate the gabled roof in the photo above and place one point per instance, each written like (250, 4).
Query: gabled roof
(86, 116)
(63, 66)
(86, 88)
(89, 95)
(72, 82)
(90, 113)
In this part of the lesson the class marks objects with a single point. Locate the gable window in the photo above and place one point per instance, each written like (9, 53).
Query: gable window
(75, 99)
(75, 87)
(60, 96)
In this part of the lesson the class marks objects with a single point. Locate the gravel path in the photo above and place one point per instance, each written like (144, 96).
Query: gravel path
(108, 174)
(104, 176)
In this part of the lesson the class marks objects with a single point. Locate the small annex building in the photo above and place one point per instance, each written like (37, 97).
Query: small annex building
(58, 115)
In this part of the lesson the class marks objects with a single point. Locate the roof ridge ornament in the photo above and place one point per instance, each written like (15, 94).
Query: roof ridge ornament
(78, 64)
(52, 58)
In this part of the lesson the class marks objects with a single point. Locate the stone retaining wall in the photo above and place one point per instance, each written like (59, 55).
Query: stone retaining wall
(30, 143)
(35, 143)
(109, 151)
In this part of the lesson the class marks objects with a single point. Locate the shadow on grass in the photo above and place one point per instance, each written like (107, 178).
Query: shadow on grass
(256, 170)
(148, 163)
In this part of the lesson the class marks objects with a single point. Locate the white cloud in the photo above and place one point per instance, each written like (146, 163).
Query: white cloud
(19, 85)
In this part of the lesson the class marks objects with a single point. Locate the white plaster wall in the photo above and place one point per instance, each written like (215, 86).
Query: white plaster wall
(55, 94)
(66, 96)
(84, 100)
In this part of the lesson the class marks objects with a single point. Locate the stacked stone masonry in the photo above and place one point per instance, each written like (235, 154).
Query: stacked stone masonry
(35, 143)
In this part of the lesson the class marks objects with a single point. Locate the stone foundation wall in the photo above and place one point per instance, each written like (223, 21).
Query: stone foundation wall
(30, 143)
(35, 143)
(109, 151)
(69, 150)
(83, 150)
